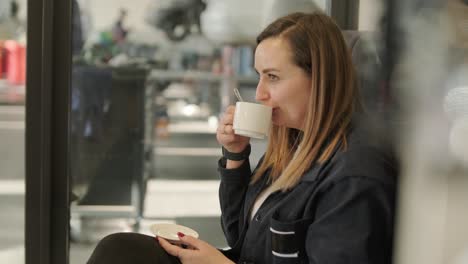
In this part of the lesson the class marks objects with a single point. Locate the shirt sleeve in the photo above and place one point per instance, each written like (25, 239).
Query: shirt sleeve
(353, 223)
(232, 190)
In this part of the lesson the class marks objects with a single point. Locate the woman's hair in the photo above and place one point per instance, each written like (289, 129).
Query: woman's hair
(319, 49)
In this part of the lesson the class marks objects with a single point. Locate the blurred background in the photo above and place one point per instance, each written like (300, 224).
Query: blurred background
(151, 77)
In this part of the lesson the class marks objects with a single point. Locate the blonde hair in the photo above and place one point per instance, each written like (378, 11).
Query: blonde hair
(318, 48)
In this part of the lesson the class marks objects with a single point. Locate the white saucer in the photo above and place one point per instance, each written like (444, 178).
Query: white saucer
(169, 231)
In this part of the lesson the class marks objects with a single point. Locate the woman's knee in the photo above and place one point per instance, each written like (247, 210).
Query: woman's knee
(122, 247)
(119, 239)
(129, 248)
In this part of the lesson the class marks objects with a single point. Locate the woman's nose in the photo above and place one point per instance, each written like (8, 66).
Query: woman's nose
(261, 93)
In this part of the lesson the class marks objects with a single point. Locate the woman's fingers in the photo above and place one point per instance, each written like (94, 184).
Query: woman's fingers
(173, 250)
(199, 251)
(225, 132)
(226, 139)
(228, 115)
(228, 129)
(191, 241)
(227, 119)
(231, 109)
(225, 129)
(225, 124)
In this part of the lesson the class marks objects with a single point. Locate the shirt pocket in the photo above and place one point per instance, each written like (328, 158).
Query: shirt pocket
(288, 241)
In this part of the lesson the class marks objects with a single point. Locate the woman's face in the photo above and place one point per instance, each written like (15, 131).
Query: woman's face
(283, 85)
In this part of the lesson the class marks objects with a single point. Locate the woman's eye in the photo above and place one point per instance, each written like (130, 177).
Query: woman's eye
(272, 77)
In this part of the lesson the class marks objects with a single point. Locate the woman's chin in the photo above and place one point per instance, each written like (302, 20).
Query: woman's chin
(276, 119)
(280, 123)
(277, 123)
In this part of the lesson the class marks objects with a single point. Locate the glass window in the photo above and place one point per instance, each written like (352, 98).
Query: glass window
(149, 81)
(12, 129)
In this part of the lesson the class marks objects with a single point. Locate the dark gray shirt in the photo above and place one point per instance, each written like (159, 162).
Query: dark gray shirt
(342, 211)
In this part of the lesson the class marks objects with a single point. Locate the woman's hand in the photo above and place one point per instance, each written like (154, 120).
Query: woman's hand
(225, 133)
(199, 251)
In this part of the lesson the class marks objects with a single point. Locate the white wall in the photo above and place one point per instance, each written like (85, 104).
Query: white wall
(5, 8)
(322, 4)
(104, 12)
(370, 12)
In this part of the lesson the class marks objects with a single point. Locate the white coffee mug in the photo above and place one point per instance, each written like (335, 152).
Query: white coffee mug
(252, 120)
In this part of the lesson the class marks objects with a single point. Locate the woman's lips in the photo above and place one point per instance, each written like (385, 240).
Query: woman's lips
(274, 112)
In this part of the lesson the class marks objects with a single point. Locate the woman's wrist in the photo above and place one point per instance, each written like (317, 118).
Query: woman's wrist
(240, 155)
(234, 164)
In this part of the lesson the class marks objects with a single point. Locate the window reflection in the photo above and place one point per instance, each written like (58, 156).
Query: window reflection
(148, 84)
(12, 129)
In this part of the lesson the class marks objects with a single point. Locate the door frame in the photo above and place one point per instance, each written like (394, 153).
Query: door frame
(345, 13)
(47, 131)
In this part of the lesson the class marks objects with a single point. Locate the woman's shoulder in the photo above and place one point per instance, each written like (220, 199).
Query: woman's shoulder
(368, 154)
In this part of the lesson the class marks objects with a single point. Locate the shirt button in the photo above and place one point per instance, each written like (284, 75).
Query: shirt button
(258, 218)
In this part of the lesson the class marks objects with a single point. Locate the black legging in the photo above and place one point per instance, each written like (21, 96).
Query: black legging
(130, 248)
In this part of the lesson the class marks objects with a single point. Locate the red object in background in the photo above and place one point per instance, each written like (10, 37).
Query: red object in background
(2, 59)
(15, 62)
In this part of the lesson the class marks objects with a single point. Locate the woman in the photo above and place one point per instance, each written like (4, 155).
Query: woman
(322, 193)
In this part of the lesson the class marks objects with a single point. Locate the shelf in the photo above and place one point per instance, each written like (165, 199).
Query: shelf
(197, 75)
(192, 127)
(196, 152)
(104, 210)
